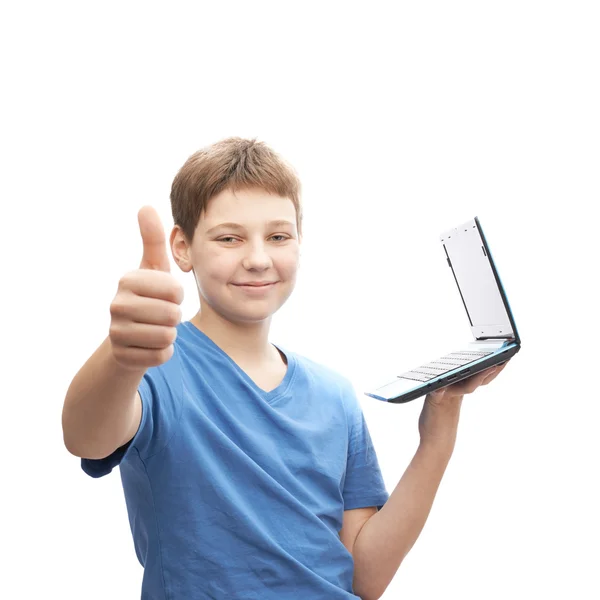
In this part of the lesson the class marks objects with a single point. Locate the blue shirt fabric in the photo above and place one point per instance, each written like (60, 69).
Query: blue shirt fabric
(233, 492)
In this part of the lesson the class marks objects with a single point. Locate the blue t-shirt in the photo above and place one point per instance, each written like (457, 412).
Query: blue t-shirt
(237, 493)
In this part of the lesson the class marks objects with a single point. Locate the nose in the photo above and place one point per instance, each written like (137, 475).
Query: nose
(257, 258)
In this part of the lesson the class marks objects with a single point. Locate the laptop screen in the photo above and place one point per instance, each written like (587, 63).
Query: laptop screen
(474, 276)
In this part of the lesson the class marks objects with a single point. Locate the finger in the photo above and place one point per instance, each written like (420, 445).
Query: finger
(142, 335)
(489, 379)
(470, 384)
(495, 372)
(157, 285)
(152, 311)
(154, 240)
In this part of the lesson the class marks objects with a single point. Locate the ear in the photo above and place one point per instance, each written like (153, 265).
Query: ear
(181, 249)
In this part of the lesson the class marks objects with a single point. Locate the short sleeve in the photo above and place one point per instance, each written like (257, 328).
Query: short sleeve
(364, 485)
(161, 393)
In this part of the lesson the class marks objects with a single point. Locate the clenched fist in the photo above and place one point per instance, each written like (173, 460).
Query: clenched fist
(145, 310)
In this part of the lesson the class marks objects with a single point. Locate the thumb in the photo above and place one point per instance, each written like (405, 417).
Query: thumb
(154, 241)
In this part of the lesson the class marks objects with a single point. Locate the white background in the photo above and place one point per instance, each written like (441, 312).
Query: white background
(403, 120)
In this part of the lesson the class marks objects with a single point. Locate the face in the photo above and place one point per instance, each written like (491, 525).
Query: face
(245, 237)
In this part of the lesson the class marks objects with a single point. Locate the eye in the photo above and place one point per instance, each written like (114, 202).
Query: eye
(229, 237)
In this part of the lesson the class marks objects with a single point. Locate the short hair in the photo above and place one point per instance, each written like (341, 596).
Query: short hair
(232, 164)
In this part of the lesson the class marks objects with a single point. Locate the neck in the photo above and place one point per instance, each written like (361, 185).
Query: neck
(244, 342)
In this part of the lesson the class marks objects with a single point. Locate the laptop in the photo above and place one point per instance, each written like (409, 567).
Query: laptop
(495, 337)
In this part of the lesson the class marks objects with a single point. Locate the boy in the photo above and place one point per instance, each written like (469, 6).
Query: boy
(248, 470)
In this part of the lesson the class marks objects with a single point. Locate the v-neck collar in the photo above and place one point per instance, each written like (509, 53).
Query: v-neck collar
(274, 394)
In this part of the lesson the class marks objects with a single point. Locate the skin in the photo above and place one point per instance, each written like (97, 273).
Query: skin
(236, 320)
(438, 421)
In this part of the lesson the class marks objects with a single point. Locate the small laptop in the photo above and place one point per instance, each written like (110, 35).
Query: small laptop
(495, 337)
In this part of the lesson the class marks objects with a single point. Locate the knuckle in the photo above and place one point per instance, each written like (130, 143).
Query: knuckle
(118, 307)
(114, 333)
(126, 280)
(168, 336)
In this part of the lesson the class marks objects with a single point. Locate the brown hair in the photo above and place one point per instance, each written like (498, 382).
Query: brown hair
(235, 164)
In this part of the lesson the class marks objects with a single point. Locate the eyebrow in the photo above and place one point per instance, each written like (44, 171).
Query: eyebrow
(278, 223)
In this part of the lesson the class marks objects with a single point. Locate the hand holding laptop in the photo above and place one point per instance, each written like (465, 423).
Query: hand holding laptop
(438, 422)
(466, 386)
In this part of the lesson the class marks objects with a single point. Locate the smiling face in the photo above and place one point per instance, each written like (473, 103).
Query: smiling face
(244, 237)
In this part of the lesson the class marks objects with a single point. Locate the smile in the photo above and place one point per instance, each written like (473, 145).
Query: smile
(256, 288)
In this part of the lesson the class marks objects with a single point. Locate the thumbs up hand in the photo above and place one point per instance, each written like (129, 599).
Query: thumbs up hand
(145, 310)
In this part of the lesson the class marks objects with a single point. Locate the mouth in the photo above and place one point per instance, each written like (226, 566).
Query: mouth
(257, 288)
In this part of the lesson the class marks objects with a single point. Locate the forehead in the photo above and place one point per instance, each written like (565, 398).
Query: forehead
(247, 208)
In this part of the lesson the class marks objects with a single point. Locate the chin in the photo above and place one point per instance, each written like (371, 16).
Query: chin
(254, 312)
(247, 317)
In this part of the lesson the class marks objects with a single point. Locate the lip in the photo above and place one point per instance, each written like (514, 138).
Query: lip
(256, 290)
(265, 284)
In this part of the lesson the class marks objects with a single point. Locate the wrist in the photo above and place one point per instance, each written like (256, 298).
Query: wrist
(440, 447)
(438, 425)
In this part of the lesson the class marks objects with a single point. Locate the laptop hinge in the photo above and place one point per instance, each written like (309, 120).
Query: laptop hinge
(498, 342)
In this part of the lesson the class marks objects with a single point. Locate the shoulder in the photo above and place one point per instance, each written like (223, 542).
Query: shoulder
(318, 368)
(324, 375)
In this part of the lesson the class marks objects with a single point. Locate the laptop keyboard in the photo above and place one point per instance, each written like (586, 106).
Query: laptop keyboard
(444, 364)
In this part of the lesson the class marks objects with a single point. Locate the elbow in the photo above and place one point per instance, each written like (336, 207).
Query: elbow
(68, 438)
(71, 441)
(369, 587)
(368, 591)
(80, 447)
(368, 596)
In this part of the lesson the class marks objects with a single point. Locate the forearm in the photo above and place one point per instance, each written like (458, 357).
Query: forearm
(99, 405)
(387, 537)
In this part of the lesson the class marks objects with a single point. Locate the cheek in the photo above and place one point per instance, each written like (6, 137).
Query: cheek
(216, 266)
(288, 266)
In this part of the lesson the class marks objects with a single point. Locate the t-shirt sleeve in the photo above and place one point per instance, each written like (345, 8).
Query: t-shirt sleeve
(161, 393)
(364, 485)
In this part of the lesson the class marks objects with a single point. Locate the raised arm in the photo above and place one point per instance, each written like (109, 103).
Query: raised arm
(102, 408)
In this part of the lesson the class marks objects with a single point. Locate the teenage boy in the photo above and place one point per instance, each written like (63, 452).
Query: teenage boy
(248, 470)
